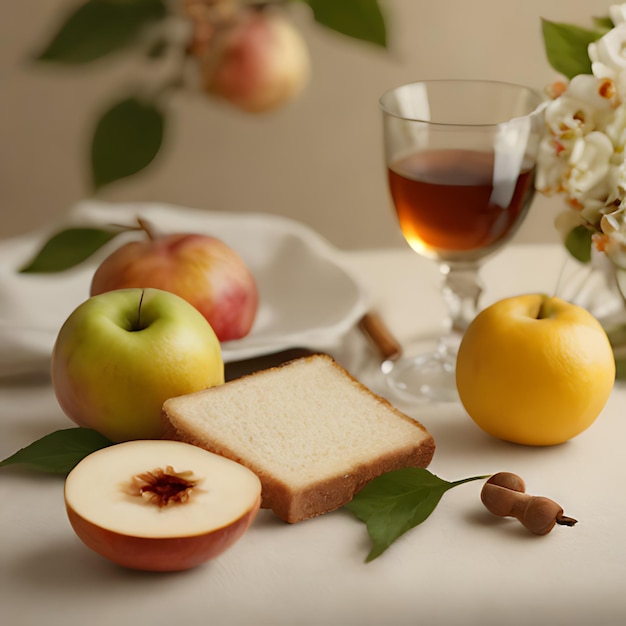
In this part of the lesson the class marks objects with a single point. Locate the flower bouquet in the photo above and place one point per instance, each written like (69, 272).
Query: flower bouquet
(583, 153)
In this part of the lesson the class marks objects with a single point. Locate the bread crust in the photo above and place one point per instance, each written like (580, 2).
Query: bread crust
(323, 496)
(292, 504)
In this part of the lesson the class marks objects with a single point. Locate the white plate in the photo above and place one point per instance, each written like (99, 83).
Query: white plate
(307, 296)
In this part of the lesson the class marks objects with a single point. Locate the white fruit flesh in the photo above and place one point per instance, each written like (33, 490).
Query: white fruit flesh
(108, 512)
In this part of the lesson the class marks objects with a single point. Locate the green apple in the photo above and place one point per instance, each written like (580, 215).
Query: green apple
(121, 354)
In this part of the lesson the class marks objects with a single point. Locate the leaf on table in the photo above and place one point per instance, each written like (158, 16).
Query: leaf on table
(60, 451)
(68, 248)
(396, 502)
(99, 27)
(126, 140)
(362, 20)
(566, 47)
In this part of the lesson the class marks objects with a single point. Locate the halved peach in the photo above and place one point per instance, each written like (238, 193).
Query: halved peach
(160, 505)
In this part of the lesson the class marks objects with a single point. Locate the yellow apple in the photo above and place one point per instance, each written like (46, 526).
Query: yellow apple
(534, 370)
(121, 354)
(160, 505)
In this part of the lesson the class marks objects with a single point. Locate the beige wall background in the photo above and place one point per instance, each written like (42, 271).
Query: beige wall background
(319, 160)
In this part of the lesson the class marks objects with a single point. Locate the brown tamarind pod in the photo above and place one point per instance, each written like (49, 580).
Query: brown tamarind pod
(504, 495)
(501, 501)
(499, 495)
(541, 514)
(508, 480)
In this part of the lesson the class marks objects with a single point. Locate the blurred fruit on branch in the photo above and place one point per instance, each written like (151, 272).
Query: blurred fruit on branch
(246, 53)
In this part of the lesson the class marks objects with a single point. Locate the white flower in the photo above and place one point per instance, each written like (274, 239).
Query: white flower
(579, 110)
(613, 225)
(566, 221)
(590, 173)
(552, 166)
(620, 182)
(590, 159)
(615, 129)
(617, 13)
(608, 54)
(593, 210)
(609, 49)
(596, 93)
(566, 116)
(582, 155)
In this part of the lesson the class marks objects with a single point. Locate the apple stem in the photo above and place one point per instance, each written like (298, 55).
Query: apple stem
(139, 325)
(148, 228)
(545, 309)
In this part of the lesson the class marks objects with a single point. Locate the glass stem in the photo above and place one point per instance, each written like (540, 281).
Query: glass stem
(461, 291)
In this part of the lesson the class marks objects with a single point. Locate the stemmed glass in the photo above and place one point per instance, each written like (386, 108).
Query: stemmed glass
(460, 158)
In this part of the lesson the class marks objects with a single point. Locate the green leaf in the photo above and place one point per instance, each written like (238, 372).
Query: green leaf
(98, 27)
(603, 24)
(68, 248)
(127, 138)
(566, 47)
(396, 502)
(578, 243)
(360, 19)
(60, 451)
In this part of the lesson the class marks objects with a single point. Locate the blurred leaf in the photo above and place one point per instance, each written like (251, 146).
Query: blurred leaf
(126, 140)
(603, 23)
(60, 451)
(360, 19)
(617, 335)
(617, 338)
(68, 248)
(578, 243)
(566, 47)
(98, 27)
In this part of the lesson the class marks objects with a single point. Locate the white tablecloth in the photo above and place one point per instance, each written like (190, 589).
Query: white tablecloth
(462, 566)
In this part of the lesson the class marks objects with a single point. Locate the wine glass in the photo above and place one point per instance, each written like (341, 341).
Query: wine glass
(460, 158)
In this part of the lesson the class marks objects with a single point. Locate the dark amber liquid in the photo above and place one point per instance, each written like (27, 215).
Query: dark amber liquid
(445, 206)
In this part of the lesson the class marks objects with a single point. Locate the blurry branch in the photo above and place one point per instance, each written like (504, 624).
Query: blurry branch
(247, 53)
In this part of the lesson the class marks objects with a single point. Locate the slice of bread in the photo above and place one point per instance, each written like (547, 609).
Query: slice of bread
(312, 433)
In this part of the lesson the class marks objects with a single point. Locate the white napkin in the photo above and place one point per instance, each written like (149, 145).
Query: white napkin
(308, 295)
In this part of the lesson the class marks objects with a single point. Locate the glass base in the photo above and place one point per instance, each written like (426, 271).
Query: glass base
(427, 377)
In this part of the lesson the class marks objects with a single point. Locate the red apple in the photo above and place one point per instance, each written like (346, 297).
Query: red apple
(201, 269)
(160, 505)
(257, 61)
